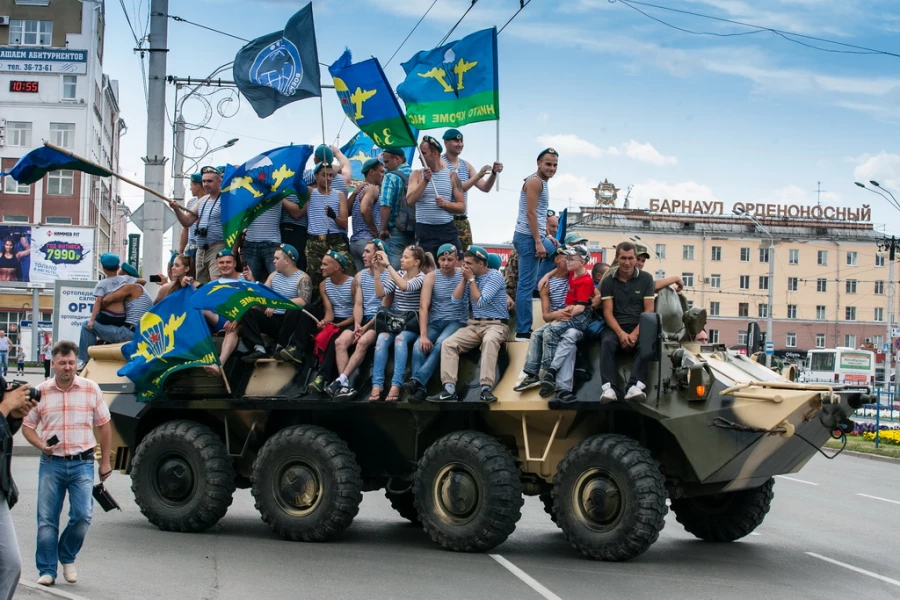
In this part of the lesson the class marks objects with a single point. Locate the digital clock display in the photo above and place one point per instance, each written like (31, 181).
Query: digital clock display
(28, 87)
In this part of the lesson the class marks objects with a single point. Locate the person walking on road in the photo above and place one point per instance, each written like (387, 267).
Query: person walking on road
(4, 352)
(70, 408)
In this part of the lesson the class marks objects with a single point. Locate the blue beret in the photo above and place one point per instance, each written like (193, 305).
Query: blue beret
(290, 251)
(453, 134)
(109, 261)
(433, 142)
(494, 261)
(225, 252)
(340, 258)
(197, 178)
(324, 153)
(477, 252)
(447, 248)
(130, 270)
(369, 165)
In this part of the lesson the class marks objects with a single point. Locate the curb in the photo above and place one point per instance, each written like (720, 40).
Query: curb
(28, 451)
(866, 455)
(49, 592)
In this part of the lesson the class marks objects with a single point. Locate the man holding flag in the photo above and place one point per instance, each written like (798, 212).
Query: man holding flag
(437, 194)
(453, 140)
(210, 238)
(328, 215)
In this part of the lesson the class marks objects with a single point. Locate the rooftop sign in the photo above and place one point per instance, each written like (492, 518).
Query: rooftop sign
(761, 210)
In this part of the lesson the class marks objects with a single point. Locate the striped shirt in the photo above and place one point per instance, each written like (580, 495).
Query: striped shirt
(211, 219)
(462, 172)
(442, 306)
(265, 227)
(427, 211)
(135, 309)
(371, 302)
(319, 222)
(492, 304)
(192, 230)
(341, 298)
(70, 414)
(286, 216)
(361, 231)
(286, 286)
(543, 204)
(559, 287)
(403, 299)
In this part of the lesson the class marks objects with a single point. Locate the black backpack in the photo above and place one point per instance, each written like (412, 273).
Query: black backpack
(406, 214)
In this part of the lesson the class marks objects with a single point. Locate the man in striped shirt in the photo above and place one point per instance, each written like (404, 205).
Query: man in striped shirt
(209, 233)
(70, 408)
(483, 289)
(263, 237)
(291, 328)
(453, 140)
(437, 194)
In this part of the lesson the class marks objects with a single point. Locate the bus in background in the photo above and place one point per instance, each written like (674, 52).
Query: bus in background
(840, 365)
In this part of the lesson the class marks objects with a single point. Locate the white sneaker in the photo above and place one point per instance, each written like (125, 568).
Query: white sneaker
(45, 580)
(608, 395)
(636, 392)
(70, 573)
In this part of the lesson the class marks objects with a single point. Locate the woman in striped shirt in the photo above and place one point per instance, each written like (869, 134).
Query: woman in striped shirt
(401, 291)
(337, 292)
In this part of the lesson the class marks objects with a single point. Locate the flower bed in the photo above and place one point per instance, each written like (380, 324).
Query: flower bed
(890, 436)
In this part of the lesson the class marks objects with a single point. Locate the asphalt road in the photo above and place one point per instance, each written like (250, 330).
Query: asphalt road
(844, 510)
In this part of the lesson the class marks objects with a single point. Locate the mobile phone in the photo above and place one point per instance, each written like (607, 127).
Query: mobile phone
(155, 279)
(53, 441)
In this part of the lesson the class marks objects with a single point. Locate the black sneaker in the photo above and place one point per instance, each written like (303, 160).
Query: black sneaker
(529, 382)
(333, 388)
(444, 396)
(488, 396)
(522, 337)
(254, 356)
(566, 397)
(548, 384)
(416, 397)
(411, 387)
(345, 393)
(292, 354)
(317, 385)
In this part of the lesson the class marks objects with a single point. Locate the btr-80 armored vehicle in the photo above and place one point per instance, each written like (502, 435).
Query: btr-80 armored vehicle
(715, 429)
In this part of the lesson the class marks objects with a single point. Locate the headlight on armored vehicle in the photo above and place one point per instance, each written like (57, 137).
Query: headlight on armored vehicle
(699, 382)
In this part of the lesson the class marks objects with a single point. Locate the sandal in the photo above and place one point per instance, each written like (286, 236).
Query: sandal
(375, 396)
(393, 396)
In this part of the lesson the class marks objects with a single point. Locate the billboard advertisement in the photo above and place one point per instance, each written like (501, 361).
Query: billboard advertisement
(73, 302)
(45, 253)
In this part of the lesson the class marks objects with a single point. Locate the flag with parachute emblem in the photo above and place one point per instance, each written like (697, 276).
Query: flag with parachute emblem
(257, 185)
(171, 336)
(231, 299)
(32, 167)
(361, 148)
(453, 84)
(281, 67)
(368, 101)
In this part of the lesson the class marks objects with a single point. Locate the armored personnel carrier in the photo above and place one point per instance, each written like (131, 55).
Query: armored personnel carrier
(715, 429)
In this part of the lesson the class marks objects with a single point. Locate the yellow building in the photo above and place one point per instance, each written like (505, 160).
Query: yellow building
(830, 277)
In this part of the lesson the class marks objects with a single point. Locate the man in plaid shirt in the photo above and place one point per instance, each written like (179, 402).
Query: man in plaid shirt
(70, 408)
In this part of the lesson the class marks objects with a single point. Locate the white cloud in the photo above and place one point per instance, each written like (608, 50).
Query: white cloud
(567, 189)
(883, 168)
(569, 144)
(648, 154)
(794, 194)
(641, 193)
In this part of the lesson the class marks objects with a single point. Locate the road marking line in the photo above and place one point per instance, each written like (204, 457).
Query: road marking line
(797, 480)
(857, 569)
(877, 498)
(754, 533)
(525, 577)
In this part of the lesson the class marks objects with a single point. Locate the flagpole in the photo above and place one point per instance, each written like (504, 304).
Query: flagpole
(322, 116)
(225, 380)
(117, 176)
(424, 166)
(497, 178)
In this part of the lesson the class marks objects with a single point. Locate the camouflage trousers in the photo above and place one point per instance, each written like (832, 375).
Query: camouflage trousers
(317, 246)
(511, 274)
(465, 230)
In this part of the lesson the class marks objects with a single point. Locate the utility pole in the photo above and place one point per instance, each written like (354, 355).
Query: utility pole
(178, 178)
(890, 245)
(155, 160)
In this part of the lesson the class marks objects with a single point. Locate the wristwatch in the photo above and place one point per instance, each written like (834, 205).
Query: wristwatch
(471, 279)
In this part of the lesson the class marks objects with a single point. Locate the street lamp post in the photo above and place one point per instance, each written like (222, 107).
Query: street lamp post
(769, 324)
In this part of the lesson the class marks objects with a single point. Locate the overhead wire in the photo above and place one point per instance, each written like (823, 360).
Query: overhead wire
(522, 5)
(452, 29)
(138, 45)
(183, 20)
(786, 35)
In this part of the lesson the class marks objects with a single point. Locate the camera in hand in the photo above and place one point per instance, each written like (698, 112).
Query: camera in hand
(155, 279)
(202, 231)
(330, 212)
(33, 393)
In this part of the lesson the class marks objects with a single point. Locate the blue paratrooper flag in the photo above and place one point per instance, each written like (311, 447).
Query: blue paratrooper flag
(171, 336)
(361, 148)
(281, 67)
(231, 299)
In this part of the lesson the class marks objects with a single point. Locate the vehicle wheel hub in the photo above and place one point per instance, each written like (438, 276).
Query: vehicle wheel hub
(175, 479)
(299, 488)
(598, 499)
(457, 493)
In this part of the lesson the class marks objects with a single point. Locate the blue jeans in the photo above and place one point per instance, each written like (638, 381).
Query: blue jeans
(554, 331)
(564, 360)
(401, 352)
(10, 558)
(356, 251)
(108, 333)
(398, 241)
(547, 264)
(56, 477)
(528, 270)
(424, 365)
(4, 361)
(259, 256)
(535, 347)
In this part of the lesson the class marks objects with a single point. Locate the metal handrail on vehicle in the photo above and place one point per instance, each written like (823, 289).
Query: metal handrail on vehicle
(735, 390)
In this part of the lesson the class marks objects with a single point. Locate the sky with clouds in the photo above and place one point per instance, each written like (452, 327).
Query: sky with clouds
(735, 118)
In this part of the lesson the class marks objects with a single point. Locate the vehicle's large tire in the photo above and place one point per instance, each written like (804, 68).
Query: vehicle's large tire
(609, 498)
(468, 492)
(182, 477)
(405, 505)
(725, 517)
(547, 500)
(306, 483)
